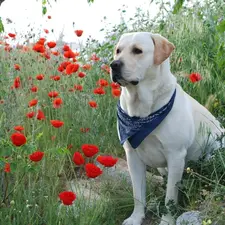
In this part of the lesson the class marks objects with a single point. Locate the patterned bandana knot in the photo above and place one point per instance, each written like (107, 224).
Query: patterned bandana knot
(136, 129)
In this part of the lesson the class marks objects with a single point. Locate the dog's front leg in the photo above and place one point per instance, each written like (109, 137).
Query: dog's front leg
(175, 166)
(137, 171)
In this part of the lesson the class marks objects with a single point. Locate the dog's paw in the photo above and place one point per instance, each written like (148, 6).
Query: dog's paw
(134, 219)
(167, 220)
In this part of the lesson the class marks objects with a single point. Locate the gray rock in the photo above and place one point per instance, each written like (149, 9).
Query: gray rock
(189, 218)
(121, 172)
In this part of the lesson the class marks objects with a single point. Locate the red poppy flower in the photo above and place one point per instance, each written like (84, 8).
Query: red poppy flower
(78, 32)
(81, 74)
(76, 54)
(34, 89)
(49, 17)
(86, 67)
(46, 31)
(56, 53)
(102, 82)
(18, 128)
(56, 78)
(41, 41)
(36, 156)
(8, 48)
(40, 77)
(30, 78)
(25, 49)
(67, 197)
(30, 115)
(70, 146)
(18, 139)
(115, 85)
(66, 48)
(107, 161)
(17, 67)
(63, 66)
(46, 55)
(105, 68)
(57, 102)
(2, 101)
(69, 54)
(71, 89)
(89, 150)
(18, 46)
(72, 68)
(53, 138)
(78, 87)
(95, 58)
(92, 171)
(51, 44)
(84, 129)
(60, 68)
(93, 104)
(12, 35)
(53, 94)
(116, 92)
(57, 123)
(40, 115)
(99, 91)
(195, 77)
(17, 82)
(33, 102)
(39, 48)
(7, 168)
(78, 159)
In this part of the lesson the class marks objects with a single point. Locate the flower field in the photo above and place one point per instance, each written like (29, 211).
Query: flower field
(58, 123)
(62, 118)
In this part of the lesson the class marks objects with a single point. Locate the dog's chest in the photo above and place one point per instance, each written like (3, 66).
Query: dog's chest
(151, 152)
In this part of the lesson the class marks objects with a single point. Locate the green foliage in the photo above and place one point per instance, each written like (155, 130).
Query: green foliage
(221, 26)
(44, 10)
(177, 6)
(198, 34)
(1, 26)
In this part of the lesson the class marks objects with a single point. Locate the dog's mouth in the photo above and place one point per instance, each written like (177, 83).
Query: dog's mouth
(122, 82)
(134, 82)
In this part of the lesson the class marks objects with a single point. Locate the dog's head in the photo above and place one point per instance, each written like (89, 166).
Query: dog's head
(135, 53)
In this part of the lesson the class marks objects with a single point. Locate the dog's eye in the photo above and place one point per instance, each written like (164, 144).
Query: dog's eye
(136, 50)
(118, 51)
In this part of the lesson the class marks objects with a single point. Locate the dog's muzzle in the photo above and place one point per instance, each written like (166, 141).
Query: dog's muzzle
(116, 67)
(116, 72)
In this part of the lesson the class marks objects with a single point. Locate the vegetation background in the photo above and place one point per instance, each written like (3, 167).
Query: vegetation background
(29, 192)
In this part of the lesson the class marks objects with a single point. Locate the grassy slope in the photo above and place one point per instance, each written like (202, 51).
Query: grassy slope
(195, 43)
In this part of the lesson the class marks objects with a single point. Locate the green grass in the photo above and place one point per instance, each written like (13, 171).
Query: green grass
(29, 193)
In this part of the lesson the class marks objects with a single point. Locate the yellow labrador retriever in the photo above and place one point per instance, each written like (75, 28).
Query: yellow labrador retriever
(159, 125)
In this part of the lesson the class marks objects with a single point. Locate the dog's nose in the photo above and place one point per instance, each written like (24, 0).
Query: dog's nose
(116, 64)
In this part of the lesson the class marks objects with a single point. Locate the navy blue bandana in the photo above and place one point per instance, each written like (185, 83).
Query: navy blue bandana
(136, 129)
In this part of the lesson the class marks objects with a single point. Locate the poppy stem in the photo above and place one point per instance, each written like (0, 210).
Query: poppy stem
(6, 188)
(81, 172)
(6, 196)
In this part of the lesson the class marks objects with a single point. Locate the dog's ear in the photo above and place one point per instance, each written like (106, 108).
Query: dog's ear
(163, 48)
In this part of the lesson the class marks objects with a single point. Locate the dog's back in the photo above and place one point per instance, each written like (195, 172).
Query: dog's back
(209, 132)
